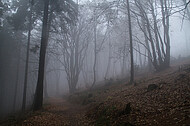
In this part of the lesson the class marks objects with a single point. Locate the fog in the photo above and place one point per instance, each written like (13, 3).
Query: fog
(88, 44)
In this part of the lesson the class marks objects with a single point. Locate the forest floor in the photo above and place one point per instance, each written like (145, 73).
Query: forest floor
(160, 99)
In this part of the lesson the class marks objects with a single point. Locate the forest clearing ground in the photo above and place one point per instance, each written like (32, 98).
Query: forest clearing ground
(169, 104)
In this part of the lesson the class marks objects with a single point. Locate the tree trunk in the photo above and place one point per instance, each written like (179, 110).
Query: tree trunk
(152, 45)
(17, 76)
(95, 52)
(147, 44)
(45, 86)
(165, 23)
(27, 59)
(39, 88)
(124, 62)
(46, 58)
(131, 43)
(57, 84)
(109, 57)
(156, 35)
(140, 57)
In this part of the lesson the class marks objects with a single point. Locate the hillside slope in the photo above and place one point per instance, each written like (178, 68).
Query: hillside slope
(161, 99)
(166, 103)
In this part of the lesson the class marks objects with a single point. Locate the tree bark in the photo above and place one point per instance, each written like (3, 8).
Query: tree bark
(147, 44)
(140, 58)
(109, 57)
(165, 23)
(156, 35)
(39, 88)
(17, 75)
(95, 52)
(45, 86)
(27, 59)
(131, 43)
(46, 58)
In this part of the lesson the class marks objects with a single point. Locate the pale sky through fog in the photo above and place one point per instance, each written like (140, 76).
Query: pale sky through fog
(179, 37)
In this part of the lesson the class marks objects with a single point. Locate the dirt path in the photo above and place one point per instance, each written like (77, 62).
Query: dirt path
(58, 112)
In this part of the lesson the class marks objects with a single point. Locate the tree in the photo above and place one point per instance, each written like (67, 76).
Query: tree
(18, 35)
(58, 7)
(110, 15)
(11, 41)
(27, 56)
(102, 14)
(73, 46)
(159, 51)
(18, 20)
(95, 48)
(165, 22)
(131, 43)
(38, 100)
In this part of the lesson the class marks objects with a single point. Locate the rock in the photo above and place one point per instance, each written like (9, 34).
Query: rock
(127, 110)
(152, 87)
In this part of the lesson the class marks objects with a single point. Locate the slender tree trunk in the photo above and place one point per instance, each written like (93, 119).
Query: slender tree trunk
(165, 23)
(147, 45)
(76, 65)
(145, 58)
(95, 52)
(156, 35)
(27, 59)
(167, 37)
(140, 57)
(152, 45)
(73, 72)
(124, 62)
(17, 77)
(45, 75)
(57, 84)
(109, 57)
(16, 84)
(72, 89)
(39, 88)
(45, 86)
(46, 58)
(131, 43)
